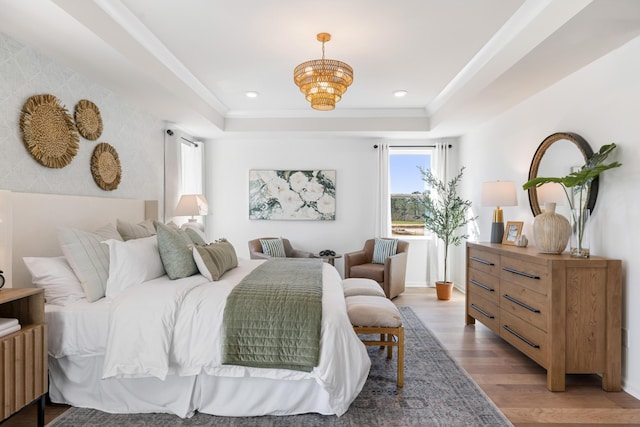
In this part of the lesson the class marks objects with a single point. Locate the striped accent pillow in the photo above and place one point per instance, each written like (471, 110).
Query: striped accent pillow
(273, 247)
(384, 248)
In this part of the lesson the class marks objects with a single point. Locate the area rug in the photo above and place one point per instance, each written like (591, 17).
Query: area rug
(436, 392)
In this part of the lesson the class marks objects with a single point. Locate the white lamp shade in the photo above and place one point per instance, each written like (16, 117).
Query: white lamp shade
(192, 205)
(499, 193)
(551, 192)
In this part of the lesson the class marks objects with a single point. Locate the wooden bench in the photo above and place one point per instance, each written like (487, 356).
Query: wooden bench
(374, 315)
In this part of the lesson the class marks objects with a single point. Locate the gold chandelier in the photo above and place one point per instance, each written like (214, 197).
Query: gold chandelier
(323, 81)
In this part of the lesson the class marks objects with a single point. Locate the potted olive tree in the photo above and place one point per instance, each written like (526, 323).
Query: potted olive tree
(445, 212)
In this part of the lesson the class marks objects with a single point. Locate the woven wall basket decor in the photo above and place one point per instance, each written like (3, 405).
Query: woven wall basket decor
(48, 131)
(105, 167)
(88, 119)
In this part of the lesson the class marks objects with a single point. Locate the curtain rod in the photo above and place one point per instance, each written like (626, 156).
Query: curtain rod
(189, 141)
(413, 146)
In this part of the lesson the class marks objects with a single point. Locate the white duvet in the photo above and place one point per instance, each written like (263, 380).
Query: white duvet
(174, 327)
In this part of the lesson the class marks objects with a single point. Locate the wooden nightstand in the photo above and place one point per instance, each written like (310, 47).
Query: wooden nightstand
(23, 354)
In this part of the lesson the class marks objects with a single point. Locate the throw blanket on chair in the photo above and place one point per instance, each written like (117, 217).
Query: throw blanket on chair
(272, 318)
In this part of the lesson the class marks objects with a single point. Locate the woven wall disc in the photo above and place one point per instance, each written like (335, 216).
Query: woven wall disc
(105, 167)
(48, 131)
(88, 119)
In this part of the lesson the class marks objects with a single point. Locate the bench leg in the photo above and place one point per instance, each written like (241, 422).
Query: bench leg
(400, 356)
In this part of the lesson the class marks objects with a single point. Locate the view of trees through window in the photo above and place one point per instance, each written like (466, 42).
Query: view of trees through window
(405, 181)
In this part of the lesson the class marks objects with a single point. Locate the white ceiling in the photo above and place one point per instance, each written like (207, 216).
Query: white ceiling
(190, 62)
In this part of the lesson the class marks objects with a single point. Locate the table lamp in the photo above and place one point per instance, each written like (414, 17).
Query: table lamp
(192, 205)
(498, 193)
(550, 192)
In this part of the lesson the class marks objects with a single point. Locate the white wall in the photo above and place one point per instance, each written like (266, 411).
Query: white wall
(228, 164)
(355, 160)
(136, 135)
(600, 103)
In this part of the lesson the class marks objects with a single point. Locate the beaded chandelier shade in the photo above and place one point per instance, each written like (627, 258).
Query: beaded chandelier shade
(323, 81)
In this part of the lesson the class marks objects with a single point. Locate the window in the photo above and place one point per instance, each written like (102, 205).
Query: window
(191, 168)
(405, 183)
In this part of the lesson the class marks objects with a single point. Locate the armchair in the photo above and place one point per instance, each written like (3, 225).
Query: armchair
(255, 250)
(390, 275)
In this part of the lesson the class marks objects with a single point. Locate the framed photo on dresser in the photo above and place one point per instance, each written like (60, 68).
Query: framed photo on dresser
(512, 232)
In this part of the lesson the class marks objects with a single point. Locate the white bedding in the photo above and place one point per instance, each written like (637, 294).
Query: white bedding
(167, 329)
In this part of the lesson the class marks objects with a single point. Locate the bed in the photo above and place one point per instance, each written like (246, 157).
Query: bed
(93, 365)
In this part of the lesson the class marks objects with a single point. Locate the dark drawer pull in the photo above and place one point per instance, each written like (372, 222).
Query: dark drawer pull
(511, 331)
(481, 311)
(520, 273)
(482, 285)
(521, 304)
(481, 261)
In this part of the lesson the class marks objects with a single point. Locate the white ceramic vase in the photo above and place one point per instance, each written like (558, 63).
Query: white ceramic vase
(551, 231)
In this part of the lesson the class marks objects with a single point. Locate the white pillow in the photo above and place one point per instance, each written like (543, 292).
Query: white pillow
(88, 257)
(54, 274)
(131, 263)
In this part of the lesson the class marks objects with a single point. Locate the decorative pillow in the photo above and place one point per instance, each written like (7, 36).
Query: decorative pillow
(131, 263)
(273, 247)
(215, 259)
(169, 224)
(175, 252)
(54, 274)
(129, 230)
(383, 248)
(89, 257)
(196, 236)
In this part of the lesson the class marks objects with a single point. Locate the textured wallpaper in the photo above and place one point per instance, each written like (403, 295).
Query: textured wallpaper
(136, 135)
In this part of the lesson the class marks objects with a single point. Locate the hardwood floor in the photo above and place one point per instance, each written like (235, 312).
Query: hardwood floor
(516, 384)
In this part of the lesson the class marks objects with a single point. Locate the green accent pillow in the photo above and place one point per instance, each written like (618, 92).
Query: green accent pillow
(215, 259)
(175, 252)
(383, 248)
(195, 237)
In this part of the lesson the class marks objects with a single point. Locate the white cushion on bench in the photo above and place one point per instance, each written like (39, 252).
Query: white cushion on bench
(360, 286)
(366, 310)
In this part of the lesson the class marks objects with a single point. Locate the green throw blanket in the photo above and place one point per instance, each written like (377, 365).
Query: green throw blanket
(272, 318)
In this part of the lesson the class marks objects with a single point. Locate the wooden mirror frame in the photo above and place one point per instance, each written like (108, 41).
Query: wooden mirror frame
(582, 145)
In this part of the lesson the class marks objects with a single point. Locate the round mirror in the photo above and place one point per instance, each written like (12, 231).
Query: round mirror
(557, 156)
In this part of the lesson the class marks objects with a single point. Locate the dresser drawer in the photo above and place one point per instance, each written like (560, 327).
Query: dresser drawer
(484, 311)
(484, 284)
(484, 261)
(525, 337)
(526, 304)
(533, 276)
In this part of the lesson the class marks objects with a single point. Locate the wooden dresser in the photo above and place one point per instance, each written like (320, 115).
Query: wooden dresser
(562, 312)
(23, 354)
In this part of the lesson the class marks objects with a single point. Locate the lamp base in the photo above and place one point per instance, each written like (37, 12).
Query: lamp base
(497, 232)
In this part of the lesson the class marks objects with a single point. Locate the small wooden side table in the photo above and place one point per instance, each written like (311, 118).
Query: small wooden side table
(331, 259)
(24, 352)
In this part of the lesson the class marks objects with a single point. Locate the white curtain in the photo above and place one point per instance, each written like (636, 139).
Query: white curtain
(383, 213)
(435, 249)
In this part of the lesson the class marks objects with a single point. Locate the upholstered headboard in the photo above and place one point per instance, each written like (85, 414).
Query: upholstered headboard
(29, 223)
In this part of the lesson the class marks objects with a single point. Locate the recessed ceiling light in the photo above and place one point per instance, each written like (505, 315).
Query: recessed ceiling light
(251, 94)
(400, 93)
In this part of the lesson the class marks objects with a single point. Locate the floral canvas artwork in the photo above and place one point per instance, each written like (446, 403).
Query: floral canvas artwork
(292, 194)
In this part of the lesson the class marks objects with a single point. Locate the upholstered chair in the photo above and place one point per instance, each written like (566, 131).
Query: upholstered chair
(390, 275)
(255, 249)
